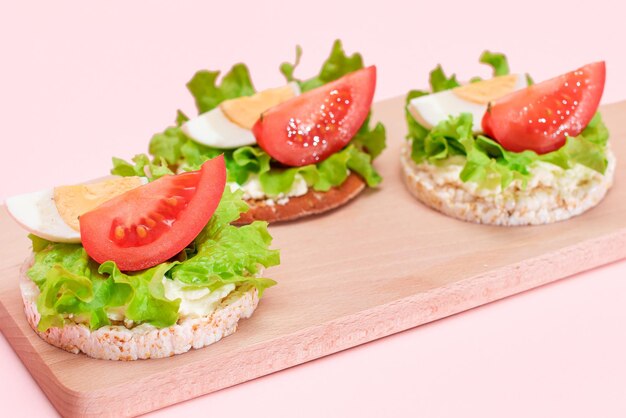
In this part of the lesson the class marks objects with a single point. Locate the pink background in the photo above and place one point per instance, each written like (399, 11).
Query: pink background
(80, 83)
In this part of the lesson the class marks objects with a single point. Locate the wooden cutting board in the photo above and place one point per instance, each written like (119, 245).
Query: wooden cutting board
(378, 266)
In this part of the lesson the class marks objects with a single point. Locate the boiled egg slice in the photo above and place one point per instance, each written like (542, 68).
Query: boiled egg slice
(230, 124)
(53, 214)
(471, 98)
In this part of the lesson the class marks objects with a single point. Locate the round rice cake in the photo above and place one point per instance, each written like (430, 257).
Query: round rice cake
(552, 194)
(117, 342)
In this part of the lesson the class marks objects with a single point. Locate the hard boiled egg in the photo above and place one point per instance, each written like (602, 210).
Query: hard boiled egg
(53, 214)
(230, 124)
(472, 98)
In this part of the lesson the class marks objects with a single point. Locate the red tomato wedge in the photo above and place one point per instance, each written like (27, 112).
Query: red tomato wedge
(152, 223)
(542, 116)
(311, 127)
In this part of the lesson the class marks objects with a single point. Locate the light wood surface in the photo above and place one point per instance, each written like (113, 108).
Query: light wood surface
(380, 265)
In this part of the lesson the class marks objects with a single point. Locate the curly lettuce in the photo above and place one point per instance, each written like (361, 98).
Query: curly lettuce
(173, 150)
(336, 66)
(208, 95)
(141, 166)
(72, 284)
(497, 61)
(244, 162)
(486, 162)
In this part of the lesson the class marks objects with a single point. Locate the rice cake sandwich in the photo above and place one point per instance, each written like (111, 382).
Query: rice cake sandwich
(124, 270)
(295, 150)
(506, 151)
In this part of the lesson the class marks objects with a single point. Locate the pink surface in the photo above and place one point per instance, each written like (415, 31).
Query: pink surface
(83, 83)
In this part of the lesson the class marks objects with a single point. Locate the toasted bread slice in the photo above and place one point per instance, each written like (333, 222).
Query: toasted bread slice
(311, 203)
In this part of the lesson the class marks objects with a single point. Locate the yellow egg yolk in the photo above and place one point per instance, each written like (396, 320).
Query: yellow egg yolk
(483, 92)
(245, 111)
(73, 201)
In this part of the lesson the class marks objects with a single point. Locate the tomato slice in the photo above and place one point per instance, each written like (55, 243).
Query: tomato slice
(311, 127)
(152, 223)
(542, 116)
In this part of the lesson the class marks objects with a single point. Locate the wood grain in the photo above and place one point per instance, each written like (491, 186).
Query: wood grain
(380, 265)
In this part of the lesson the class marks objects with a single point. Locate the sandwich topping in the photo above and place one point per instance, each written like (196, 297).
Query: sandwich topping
(541, 117)
(550, 127)
(229, 125)
(151, 256)
(311, 128)
(195, 301)
(431, 109)
(245, 111)
(252, 130)
(485, 91)
(151, 224)
(253, 190)
(53, 213)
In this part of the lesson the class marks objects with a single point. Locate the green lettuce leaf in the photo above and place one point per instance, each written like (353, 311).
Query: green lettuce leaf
(371, 140)
(223, 253)
(167, 144)
(246, 162)
(336, 66)
(588, 148)
(147, 303)
(38, 243)
(208, 94)
(497, 61)
(141, 166)
(287, 69)
(240, 162)
(440, 82)
(331, 172)
(416, 131)
(71, 283)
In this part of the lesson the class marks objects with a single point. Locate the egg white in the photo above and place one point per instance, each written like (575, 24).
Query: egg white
(214, 129)
(37, 213)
